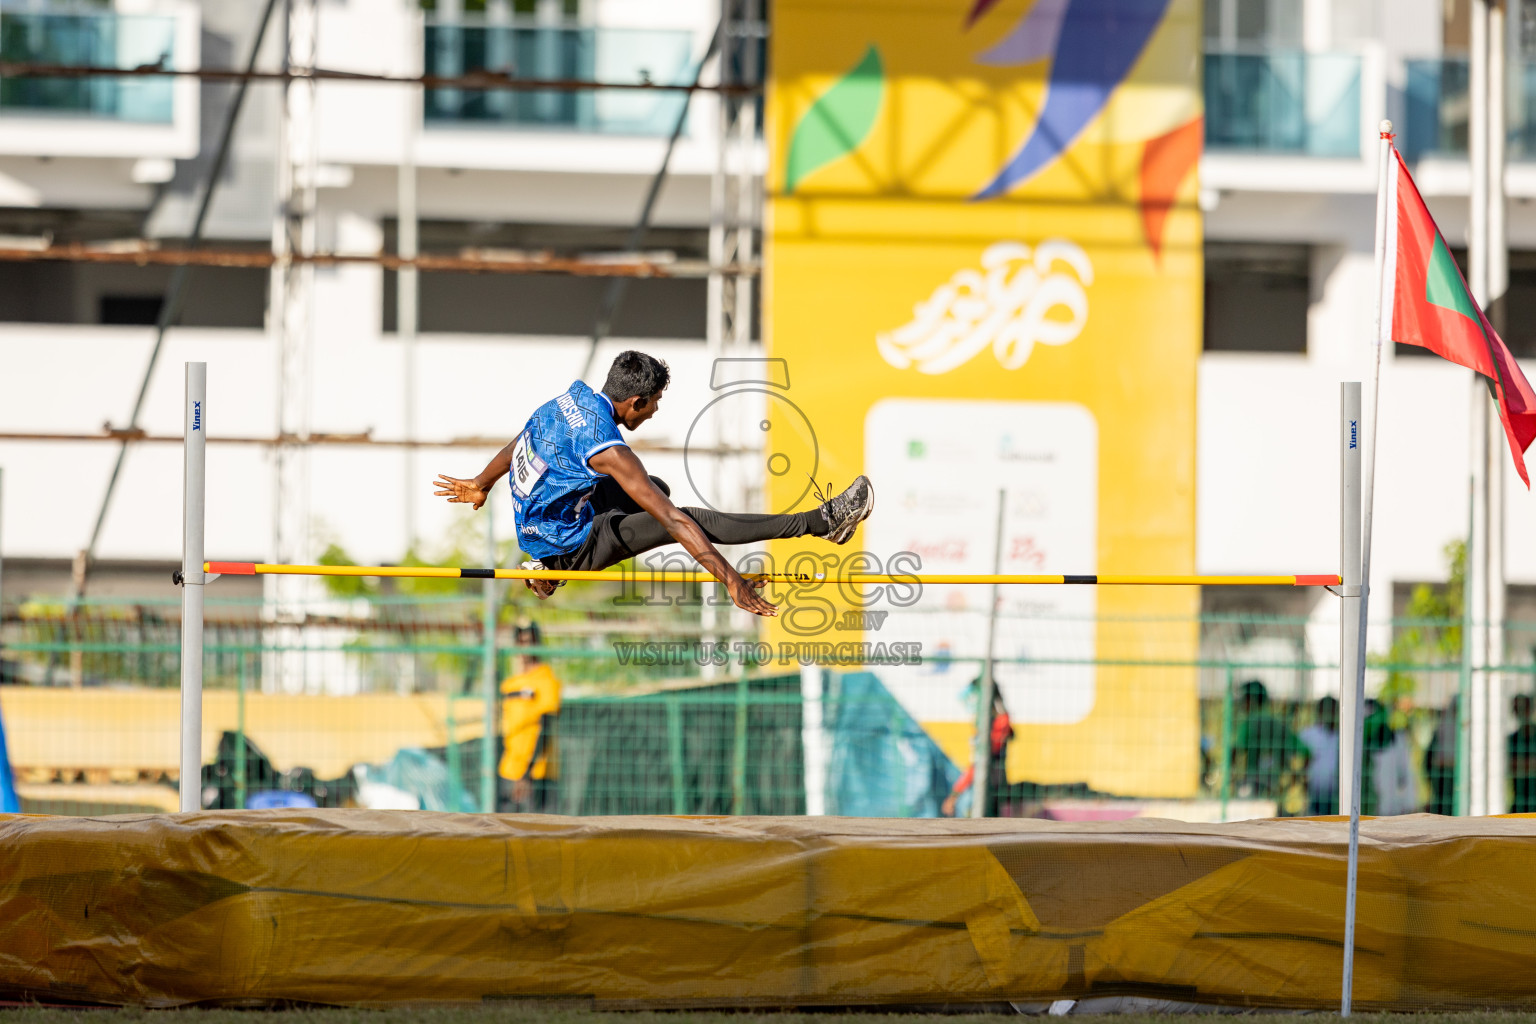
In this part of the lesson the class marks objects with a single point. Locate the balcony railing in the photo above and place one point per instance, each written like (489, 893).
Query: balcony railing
(557, 52)
(104, 39)
(1438, 102)
(1306, 104)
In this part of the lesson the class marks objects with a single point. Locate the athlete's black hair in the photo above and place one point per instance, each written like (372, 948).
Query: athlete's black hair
(635, 373)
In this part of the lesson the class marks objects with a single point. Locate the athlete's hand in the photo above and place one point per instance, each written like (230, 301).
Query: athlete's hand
(454, 489)
(745, 594)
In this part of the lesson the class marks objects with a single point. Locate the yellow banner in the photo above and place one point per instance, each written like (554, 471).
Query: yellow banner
(984, 277)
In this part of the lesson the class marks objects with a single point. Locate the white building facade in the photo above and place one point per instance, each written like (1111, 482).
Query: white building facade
(1294, 89)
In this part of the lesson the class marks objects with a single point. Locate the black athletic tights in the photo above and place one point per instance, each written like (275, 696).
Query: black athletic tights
(623, 530)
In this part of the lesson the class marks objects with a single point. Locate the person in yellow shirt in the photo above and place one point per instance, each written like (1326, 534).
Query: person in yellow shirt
(529, 702)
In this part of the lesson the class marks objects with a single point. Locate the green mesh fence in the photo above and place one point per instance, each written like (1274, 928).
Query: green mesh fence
(392, 705)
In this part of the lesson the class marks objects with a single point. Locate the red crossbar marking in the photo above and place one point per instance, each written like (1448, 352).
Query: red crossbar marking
(1317, 581)
(233, 568)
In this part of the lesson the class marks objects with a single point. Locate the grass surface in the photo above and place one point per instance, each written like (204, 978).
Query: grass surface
(525, 1014)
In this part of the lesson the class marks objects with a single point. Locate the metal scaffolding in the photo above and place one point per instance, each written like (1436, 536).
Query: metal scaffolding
(730, 69)
(290, 319)
(147, 253)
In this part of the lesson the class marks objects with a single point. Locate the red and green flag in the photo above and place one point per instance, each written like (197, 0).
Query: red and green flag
(1428, 304)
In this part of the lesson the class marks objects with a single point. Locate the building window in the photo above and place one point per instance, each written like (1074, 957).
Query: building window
(551, 304)
(129, 309)
(49, 292)
(1256, 297)
(1238, 24)
(1516, 320)
(567, 8)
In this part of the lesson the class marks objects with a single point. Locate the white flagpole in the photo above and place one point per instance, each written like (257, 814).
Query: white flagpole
(1383, 296)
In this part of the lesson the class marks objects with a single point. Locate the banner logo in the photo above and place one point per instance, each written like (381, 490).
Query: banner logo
(1017, 300)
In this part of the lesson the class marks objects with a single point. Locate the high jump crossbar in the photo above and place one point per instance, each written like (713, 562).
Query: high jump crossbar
(196, 573)
(684, 576)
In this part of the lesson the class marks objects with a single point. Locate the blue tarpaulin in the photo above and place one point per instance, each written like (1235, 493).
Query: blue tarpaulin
(9, 802)
(884, 764)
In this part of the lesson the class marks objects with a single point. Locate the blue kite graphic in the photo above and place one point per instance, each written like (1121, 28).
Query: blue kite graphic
(1095, 44)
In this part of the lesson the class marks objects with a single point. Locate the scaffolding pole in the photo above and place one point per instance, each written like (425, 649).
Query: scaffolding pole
(145, 252)
(734, 202)
(488, 673)
(483, 79)
(408, 278)
(290, 320)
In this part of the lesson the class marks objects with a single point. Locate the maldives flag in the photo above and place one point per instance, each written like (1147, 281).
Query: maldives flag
(1429, 305)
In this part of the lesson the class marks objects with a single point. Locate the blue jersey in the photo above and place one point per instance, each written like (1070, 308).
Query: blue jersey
(551, 481)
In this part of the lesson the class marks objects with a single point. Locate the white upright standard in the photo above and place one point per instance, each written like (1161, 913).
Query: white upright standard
(192, 581)
(1350, 439)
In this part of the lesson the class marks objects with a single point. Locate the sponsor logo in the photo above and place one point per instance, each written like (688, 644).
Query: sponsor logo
(936, 501)
(945, 550)
(1028, 551)
(1009, 451)
(1354, 435)
(197, 416)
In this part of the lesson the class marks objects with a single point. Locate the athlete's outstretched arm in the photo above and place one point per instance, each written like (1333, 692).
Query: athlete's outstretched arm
(624, 466)
(475, 491)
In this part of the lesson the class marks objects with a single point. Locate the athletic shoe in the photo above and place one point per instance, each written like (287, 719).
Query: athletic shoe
(844, 512)
(542, 589)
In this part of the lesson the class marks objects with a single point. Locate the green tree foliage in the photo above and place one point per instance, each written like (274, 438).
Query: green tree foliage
(1431, 634)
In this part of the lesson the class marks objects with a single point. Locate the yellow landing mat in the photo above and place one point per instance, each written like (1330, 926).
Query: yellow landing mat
(383, 907)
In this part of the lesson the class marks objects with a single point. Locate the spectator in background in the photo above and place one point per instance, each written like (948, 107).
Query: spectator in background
(530, 700)
(1521, 748)
(1002, 732)
(1394, 781)
(1440, 761)
(1388, 785)
(1322, 742)
(1268, 754)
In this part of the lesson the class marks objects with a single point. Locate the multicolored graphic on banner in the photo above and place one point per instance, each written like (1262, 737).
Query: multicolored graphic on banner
(984, 275)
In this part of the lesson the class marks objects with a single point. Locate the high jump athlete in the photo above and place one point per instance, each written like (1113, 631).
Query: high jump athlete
(584, 501)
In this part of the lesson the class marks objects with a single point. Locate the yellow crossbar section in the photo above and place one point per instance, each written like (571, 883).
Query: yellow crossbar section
(373, 908)
(611, 576)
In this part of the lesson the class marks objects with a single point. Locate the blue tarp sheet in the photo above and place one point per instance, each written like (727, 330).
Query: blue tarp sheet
(884, 764)
(9, 802)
